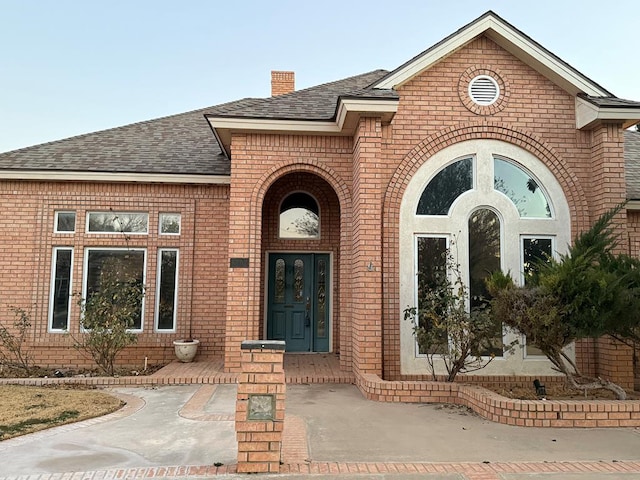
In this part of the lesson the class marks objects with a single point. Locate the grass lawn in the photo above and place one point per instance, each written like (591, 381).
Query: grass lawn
(26, 409)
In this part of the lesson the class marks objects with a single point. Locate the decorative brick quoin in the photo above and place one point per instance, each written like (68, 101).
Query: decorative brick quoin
(302, 217)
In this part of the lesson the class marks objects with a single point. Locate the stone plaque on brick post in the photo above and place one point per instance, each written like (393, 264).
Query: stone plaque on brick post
(260, 406)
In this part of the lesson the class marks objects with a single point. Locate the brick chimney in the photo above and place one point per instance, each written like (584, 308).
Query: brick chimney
(282, 82)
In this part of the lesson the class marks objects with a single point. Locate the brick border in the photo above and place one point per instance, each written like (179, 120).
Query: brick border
(468, 470)
(488, 404)
(499, 409)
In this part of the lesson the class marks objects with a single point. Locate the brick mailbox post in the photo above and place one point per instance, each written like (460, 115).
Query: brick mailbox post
(260, 406)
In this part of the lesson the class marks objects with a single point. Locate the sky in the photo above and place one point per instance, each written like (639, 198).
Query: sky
(69, 67)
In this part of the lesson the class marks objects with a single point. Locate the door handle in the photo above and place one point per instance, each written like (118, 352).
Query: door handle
(307, 319)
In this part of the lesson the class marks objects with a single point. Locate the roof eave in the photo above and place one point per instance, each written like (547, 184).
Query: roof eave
(348, 112)
(589, 114)
(112, 177)
(633, 205)
(509, 38)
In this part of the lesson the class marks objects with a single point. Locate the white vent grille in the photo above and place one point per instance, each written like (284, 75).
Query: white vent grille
(484, 90)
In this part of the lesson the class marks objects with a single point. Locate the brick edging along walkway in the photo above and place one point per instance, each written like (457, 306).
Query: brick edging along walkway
(488, 404)
(470, 471)
(494, 407)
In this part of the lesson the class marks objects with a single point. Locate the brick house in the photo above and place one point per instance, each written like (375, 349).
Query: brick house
(304, 216)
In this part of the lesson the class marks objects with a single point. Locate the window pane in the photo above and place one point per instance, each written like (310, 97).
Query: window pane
(432, 272)
(65, 221)
(484, 258)
(321, 326)
(298, 280)
(125, 265)
(115, 222)
(61, 289)
(170, 223)
(445, 187)
(280, 281)
(534, 250)
(299, 217)
(521, 188)
(166, 309)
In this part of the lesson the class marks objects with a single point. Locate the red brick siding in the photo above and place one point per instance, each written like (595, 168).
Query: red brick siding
(28, 239)
(258, 162)
(367, 248)
(537, 116)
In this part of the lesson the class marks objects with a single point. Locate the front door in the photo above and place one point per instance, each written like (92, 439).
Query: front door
(298, 301)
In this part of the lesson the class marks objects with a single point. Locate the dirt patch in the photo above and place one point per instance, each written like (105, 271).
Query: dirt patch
(560, 392)
(26, 409)
(39, 372)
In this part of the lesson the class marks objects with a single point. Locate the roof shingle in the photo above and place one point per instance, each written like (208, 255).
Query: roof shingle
(178, 144)
(315, 103)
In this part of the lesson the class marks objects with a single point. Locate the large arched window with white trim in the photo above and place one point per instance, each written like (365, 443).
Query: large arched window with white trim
(495, 206)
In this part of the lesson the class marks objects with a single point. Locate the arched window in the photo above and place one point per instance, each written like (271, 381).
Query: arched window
(299, 216)
(495, 206)
(449, 183)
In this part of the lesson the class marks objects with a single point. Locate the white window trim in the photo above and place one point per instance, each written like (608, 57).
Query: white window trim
(118, 232)
(52, 287)
(513, 226)
(85, 267)
(176, 286)
(55, 222)
(160, 232)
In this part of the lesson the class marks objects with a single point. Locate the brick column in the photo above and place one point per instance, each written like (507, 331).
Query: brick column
(260, 406)
(366, 282)
(608, 189)
(243, 278)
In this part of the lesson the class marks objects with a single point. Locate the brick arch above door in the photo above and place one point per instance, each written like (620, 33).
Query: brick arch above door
(276, 180)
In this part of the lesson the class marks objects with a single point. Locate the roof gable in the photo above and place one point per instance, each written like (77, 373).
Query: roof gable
(512, 40)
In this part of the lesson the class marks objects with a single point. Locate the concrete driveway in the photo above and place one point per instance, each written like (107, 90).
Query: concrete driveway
(165, 429)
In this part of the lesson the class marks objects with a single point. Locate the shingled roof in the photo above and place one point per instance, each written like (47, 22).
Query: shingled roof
(632, 164)
(178, 144)
(316, 103)
(183, 143)
(610, 102)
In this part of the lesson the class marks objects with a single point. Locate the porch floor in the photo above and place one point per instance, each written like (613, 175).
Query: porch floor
(298, 368)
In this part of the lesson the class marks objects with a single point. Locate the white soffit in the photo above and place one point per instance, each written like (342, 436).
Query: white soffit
(512, 41)
(588, 114)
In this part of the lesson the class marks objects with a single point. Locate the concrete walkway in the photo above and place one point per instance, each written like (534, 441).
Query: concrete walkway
(187, 431)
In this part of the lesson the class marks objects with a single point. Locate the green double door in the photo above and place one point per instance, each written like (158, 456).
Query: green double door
(298, 301)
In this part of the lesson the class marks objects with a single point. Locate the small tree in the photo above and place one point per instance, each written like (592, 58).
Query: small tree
(445, 329)
(109, 314)
(587, 293)
(13, 350)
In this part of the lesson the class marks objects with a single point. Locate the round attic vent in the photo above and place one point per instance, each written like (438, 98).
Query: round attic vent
(484, 90)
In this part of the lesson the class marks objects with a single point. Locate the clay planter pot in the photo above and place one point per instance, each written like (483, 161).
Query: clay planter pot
(186, 349)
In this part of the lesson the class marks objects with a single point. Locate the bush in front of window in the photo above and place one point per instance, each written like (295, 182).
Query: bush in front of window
(446, 330)
(109, 313)
(590, 292)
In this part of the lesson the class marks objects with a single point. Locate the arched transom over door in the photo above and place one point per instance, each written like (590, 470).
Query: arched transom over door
(492, 205)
